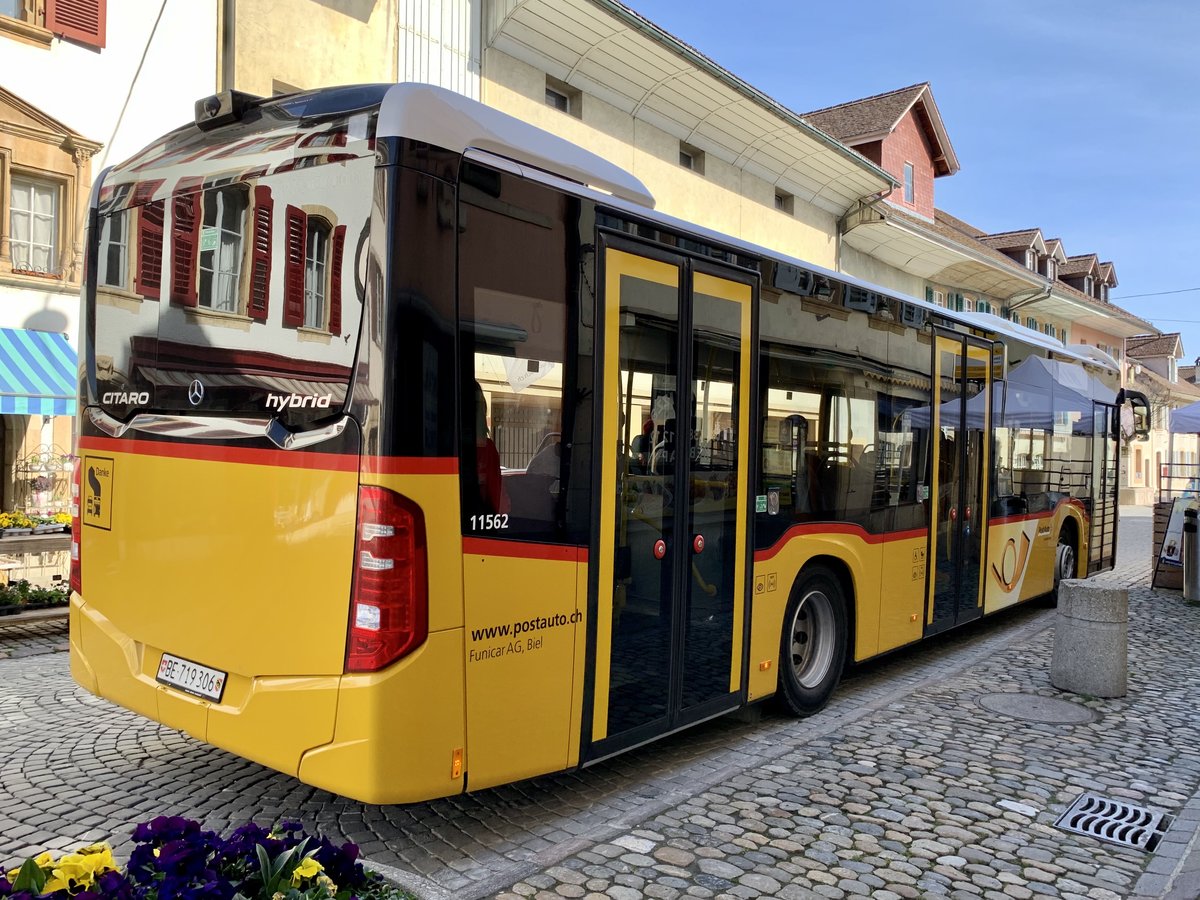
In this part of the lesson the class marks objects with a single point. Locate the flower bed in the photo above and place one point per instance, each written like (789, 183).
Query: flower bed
(20, 596)
(174, 859)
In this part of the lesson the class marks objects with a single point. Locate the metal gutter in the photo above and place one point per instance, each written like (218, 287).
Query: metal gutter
(698, 59)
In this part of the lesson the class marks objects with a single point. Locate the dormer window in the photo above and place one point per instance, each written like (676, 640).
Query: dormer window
(1104, 292)
(1031, 259)
(1087, 284)
(1051, 270)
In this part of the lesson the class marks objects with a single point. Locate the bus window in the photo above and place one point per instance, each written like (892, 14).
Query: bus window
(514, 319)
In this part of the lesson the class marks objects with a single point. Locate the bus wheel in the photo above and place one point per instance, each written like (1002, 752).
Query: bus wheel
(1064, 562)
(813, 648)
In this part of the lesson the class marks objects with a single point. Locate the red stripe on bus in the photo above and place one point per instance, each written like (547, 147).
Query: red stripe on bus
(837, 528)
(523, 550)
(410, 465)
(1044, 514)
(293, 459)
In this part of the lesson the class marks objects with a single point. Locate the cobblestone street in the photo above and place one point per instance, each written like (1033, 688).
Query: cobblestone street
(904, 787)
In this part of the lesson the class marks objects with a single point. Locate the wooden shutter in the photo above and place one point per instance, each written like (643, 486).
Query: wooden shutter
(335, 280)
(185, 248)
(260, 254)
(147, 279)
(929, 294)
(78, 20)
(293, 273)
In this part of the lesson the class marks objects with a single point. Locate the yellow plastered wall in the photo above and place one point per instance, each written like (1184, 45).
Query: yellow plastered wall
(306, 45)
(724, 198)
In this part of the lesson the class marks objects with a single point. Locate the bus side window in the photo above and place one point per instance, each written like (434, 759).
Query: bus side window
(514, 317)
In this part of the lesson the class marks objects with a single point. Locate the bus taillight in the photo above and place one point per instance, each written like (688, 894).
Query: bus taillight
(389, 603)
(76, 577)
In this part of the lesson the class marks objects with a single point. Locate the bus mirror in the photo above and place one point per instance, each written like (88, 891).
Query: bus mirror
(1141, 414)
(1136, 423)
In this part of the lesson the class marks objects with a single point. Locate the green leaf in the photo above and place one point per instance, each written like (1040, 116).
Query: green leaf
(264, 865)
(30, 878)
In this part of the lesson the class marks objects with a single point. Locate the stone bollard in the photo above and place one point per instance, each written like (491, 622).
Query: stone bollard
(1091, 639)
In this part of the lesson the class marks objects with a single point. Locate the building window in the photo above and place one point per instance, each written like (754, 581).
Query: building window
(785, 202)
(316, 263)
(221, 245)
(1087, 284)
(1051, 268)
(691, 158)
(1104, 292)
(563, 97)
(939, 298)
(82, 21)
(1031, 322)
(33, 226)
(1050, 330)
(909, 191)
(112, 265)
(983, 306)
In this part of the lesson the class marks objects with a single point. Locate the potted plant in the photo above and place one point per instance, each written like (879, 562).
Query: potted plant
(15, 523)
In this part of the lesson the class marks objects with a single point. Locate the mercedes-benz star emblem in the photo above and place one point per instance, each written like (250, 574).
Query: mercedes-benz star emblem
(195, 392)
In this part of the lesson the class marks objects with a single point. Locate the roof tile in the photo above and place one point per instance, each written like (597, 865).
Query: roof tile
(868, 116)
(1147, 345)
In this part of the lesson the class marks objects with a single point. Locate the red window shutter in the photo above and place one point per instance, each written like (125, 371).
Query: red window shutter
(148, 274)
(293, 273)
(335, 280)
(185, 248)
(79, 20)
(260, 254)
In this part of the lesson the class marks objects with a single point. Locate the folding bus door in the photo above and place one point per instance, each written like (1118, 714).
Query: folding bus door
(962, 414)
(674, 500)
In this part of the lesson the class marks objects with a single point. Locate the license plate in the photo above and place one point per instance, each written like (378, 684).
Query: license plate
(190, 677)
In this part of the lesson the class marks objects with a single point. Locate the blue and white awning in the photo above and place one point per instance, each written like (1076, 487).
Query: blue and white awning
(37, 373)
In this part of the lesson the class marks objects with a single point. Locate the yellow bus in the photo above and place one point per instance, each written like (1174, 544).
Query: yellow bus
(419, 454)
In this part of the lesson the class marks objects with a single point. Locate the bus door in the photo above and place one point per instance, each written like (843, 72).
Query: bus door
(962, 414)
(670, 603)
(1102, 543)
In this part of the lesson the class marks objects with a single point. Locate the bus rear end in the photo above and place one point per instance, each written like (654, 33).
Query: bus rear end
(238, 568)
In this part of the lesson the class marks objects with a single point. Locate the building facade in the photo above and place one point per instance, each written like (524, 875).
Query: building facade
(850, 187)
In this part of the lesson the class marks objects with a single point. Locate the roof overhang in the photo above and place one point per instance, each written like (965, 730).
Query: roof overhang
(606, 50)
(923, 252)
(913, 249)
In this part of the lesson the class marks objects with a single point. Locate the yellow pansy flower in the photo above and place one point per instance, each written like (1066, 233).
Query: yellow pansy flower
(307, 869)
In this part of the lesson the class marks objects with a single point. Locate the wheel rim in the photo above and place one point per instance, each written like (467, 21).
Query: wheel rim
(1066, 561)
(812, 639)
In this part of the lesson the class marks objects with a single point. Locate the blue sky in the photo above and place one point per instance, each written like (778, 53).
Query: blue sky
(1081, 118)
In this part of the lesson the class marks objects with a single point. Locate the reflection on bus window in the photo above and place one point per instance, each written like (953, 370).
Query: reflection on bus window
(514, 318)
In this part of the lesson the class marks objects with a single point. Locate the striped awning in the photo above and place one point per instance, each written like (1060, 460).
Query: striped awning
(38, 372)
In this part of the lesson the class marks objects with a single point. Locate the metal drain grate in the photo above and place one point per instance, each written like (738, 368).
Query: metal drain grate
(1115, 821)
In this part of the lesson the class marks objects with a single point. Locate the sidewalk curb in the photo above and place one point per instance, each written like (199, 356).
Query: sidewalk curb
(422, 887)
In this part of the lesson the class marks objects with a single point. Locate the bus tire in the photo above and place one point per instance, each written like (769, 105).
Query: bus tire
(1064, 563)
(813, 644)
